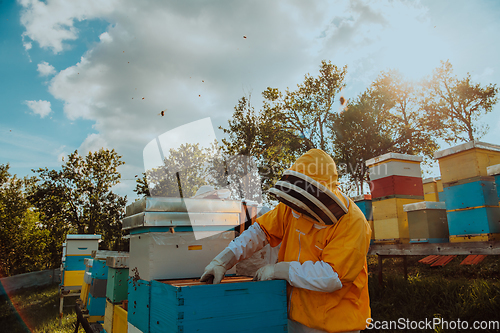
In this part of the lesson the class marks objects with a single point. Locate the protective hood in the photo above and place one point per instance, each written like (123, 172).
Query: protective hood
(308, 187)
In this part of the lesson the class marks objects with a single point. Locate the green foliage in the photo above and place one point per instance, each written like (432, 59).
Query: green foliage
(79, 199)
(23, 241)
(454, 106)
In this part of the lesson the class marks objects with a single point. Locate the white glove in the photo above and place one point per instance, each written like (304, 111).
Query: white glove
(215, 271)
(277, 271)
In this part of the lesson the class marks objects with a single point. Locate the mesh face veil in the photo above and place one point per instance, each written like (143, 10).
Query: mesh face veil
(301, 188)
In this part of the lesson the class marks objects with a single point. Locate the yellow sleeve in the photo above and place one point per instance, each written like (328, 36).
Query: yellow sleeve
(346, 251)
(273, 223)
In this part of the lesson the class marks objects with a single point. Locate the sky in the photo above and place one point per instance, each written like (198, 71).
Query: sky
(87, 74)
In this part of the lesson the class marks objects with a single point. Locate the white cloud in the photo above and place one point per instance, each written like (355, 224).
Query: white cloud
(45, 69)
(41, 108)
(192, 59)
(51, 23)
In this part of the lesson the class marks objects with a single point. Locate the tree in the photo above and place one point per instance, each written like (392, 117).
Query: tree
(183, 171)
(410, 130)
(454, 106)
(288, 124)
(22, 240)
(79, 198)
(361, 132)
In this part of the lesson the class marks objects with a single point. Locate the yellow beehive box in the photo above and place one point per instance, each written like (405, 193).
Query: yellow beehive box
(73, 278)
(119, 320)
(390, 221)
(467, 160)
(474, 238)
(108, 316)
(84, 294)
(373, 230)
(430, 189)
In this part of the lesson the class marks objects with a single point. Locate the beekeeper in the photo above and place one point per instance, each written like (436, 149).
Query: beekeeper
(324, 241)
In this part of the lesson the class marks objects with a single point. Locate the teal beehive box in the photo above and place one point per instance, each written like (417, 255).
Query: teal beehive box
(494, 171)
(117, 287)
(236, 305)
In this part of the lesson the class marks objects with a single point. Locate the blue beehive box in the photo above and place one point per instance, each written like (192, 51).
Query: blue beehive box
(96, 305)
(494, 171)
(138, 303)
(99, 269)
(75, 263)
(232, 306)
(364, 202)
(474, 192)
(477, 221)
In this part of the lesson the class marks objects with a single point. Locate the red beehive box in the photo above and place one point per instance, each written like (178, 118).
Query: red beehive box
(397, 185)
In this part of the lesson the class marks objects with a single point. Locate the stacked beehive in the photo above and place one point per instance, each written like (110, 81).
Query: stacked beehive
(364, 202)
(494, 171)
(115, 316)
(427, 222)
(396, 180)
(78, 247)
(470, 194)
(440, 189)
(173, 238)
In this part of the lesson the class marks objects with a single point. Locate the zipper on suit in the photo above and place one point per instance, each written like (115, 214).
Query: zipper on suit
(298, 259)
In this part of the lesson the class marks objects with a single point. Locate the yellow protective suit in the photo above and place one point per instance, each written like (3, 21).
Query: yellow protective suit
(344, 246)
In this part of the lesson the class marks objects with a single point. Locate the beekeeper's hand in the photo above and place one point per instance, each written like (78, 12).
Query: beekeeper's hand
(215, 271)
(277, 271)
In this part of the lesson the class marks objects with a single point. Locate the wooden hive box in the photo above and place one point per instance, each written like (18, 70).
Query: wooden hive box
(390, 221)
(430, 187)
(119, 320)
(117, 285)
(99, 269)
(470, 193)
(108, 317)
(494, 171)
(467, 160)
(477, 224)
(235, 305)
(81, 245)
(73, 278)
(427, 222)
(394, 164)
(364, 203)
(98, 288)
(138, 304)
(397, 185)
(96, 306)
(159, 254)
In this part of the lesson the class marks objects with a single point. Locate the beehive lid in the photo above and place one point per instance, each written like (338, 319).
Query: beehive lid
(117, 261)
(466, 146)
(168, 204)
(361, 197)
(104, 254)
(82, 237)
(196, 282)
(429, 180)
(393, 156)
(424, 205)
(493, 170)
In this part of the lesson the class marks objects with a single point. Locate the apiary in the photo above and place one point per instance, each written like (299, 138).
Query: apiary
(427, 222)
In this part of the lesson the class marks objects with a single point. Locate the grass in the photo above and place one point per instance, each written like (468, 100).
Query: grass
(468, 293)
(36, 310)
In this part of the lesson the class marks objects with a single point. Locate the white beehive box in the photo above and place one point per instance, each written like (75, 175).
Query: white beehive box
(81, 245)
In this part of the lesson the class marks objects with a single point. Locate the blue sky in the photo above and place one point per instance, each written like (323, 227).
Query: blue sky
(108, 67)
